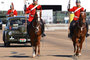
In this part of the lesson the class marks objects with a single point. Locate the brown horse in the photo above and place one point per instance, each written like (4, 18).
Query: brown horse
(79, 33)
(35, 34)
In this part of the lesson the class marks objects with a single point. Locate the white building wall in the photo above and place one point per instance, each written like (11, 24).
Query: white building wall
(19, 4)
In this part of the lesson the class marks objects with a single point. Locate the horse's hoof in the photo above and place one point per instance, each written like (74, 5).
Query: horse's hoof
(74, 54)
(33, 55)
(38, 55)
(80, 54)
(77, 54)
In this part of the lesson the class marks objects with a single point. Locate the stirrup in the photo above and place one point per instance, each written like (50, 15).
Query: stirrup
(43, 35)
(69, 36)
(87, 35)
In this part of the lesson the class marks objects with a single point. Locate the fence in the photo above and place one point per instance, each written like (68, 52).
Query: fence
(58, 16)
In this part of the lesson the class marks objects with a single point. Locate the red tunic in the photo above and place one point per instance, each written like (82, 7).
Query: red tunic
(10, 11)
(32, 13)
(77, 13)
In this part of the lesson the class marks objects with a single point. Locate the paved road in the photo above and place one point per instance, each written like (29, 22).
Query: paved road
(56, 46)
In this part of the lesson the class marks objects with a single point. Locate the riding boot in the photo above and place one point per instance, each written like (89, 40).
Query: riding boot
(43, 34)
(71, 33)
(28, 27)
(43, 29)
(87, 29)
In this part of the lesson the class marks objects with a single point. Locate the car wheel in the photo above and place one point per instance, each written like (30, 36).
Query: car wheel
(6, 44)
(4, 36)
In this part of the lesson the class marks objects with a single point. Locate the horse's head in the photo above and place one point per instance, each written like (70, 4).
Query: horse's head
(82, 18)
(37, 16)
(36, 22)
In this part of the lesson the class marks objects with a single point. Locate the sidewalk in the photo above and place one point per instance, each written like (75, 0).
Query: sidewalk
(57, 27)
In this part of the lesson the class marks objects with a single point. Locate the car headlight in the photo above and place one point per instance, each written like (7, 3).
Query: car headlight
(10, 33)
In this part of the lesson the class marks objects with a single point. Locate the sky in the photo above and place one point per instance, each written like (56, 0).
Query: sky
(19, 4)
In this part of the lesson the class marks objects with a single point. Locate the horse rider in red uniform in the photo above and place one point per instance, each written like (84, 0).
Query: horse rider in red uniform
(76, 9)
(31, 13)
(11, 12)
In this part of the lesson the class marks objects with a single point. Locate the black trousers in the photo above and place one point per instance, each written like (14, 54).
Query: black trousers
(87, 26)
(72, 25)
(28, 27)
(43, 26)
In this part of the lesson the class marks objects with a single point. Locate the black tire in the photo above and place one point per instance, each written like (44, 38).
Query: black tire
(6, 44)
(4, 36)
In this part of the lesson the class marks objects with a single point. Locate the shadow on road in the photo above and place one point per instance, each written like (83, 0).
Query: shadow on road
(62, 55)
(69, 56)
(17, 56)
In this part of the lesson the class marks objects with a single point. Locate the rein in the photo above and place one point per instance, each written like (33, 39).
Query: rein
(36, 27)
(83, 24)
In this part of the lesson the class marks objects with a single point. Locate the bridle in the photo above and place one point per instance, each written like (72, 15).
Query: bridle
(36, 27)
(82, 24)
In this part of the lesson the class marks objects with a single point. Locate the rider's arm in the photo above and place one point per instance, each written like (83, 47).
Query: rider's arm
(8, 12)
(15, 13)
(27, 10)
(71, 10)
(82, 9)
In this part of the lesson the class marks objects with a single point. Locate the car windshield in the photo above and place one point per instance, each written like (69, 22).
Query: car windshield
(19, 22)
(16, 22)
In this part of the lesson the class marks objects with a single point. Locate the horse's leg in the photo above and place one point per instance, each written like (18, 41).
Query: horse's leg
(77, 53)
(34, 51)
(80, 49)
(74, 44)
(77, 43)
(81, 45)
(38, 49)
(33, 46)
(39, 45)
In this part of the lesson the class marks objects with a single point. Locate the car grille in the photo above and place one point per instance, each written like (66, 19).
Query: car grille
(19, 36)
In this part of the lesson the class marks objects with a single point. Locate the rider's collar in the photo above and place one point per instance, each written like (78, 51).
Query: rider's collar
(34, 0)
(35, 4)
(79, 6)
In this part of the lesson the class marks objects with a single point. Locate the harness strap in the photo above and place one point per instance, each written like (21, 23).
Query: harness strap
(77, 9)
(34, 7)
(76, 16)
